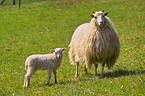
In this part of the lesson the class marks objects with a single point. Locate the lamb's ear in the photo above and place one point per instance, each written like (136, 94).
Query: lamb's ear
(103, 10)
(63, 49)
(91, 15)
(106, 13)
(52, 50)
(94, 11)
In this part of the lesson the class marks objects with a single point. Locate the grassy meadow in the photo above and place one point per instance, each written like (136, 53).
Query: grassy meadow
(40, 25)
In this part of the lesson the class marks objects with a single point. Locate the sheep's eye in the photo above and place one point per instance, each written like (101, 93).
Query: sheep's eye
(95, 17)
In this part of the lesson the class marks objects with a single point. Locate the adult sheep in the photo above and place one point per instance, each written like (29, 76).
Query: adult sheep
(95, 42)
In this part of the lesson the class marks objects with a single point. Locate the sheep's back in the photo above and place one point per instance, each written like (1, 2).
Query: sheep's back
(43, 62)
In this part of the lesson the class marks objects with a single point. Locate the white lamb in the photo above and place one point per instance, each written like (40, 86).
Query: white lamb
(49, 62)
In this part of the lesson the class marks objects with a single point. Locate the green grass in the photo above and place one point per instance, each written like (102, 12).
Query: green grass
(41, 25)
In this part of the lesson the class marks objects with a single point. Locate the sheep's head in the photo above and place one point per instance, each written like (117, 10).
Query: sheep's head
(99, 17)
(58, 52)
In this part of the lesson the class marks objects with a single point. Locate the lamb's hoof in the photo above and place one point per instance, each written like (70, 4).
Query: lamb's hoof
(25, 86)
(76, 75)
(55, 83)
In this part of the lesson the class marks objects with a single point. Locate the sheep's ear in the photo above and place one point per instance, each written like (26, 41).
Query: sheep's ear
(91, 15)
(94, 11)
(63, 49)
(103, 10)
(106, 13)
(52, 50)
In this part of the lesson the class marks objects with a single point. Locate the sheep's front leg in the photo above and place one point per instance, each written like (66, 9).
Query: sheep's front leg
(85, 69)
(102, 70)
(49, 76)
(54, 73)
(76, 75)
(96, 65)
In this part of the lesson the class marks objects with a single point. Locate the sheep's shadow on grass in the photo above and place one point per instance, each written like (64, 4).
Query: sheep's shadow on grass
(44, 84)
(59, 83)
(68, 82)
(119, 73)
(116, 73)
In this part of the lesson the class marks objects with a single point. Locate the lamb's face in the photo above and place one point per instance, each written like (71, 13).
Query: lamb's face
(99, 17)
(58, 52)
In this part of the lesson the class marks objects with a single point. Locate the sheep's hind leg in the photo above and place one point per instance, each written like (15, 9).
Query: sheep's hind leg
(96, 65)
(24, 82)
(77, 64)
(27, 77)
(55, 80)
(27, 81)
(49, 76)
(85, 69)
(102, 70)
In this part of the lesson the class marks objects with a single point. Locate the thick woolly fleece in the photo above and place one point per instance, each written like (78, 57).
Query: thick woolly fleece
(91, 43)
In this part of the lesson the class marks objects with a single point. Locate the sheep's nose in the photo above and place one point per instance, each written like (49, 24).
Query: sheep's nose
(58, 56)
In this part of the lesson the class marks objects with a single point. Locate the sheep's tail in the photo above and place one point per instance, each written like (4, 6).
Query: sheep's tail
(26, 67)
(26, 64)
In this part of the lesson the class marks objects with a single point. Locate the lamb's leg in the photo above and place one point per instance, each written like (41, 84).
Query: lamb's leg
(27, 81)
(49, 76)
(27, 77)
(85, 69)
(54, 73)
(102, 69)
(76, 75)
(96, 65)
(24, 82)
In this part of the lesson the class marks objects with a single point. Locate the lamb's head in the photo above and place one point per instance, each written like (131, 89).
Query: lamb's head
(99, 17)
(58, 52)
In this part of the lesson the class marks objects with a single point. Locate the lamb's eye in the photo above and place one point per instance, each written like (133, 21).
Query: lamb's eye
(95, 17)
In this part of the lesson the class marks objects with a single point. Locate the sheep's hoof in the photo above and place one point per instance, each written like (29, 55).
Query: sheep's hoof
(47, 83)
(102, 76)
(85, 72)
(55, 83)
(95, 75)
